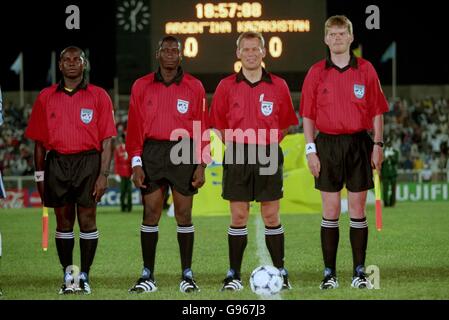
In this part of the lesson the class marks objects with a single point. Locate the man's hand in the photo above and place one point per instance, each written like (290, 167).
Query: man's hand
(377, 157)
(138, 177)
(198, 177)
(314, 164)
(100, 187)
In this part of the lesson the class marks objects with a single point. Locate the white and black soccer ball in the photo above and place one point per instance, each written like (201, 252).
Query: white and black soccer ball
(266, 280)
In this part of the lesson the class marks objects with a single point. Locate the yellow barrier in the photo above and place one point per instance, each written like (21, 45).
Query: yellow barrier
(300, 196)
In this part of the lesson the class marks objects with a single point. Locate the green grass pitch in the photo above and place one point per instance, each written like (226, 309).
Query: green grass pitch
(411, 253)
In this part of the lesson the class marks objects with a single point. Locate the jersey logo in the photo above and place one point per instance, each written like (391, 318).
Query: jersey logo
(183, 106)
(359, 90)
(266, 107)
(86, 115)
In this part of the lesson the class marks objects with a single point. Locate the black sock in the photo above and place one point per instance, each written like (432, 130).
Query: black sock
(274, 239)
(148, 239)
(358, 233)
(88, 246)
(329, 242)
(185, 241)
(65, 241)
(237, 240)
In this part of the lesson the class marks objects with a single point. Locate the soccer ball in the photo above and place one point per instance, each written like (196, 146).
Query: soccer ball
(266, 280)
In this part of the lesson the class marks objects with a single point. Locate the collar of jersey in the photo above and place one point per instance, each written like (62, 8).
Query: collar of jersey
(266, 77)
(177, 79)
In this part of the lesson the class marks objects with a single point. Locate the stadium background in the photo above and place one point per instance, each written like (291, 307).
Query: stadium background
(417, 124)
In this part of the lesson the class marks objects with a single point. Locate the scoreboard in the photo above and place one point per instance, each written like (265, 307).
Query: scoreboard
(208, 30)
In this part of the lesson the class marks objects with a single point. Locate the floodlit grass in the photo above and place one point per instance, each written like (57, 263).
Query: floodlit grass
(411, 253)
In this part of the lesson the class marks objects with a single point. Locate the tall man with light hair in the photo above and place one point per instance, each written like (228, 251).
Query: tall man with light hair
(342, 99)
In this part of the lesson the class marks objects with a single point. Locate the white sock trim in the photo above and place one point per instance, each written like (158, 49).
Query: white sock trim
(237, 232)
(64, 235)
(358, 224)
(190, 229)
(273, 232)
(149, 229)
(329, 224)
(90, 235)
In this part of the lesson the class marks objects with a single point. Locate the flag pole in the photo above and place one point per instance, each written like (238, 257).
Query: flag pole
(22, 100)
(116, 94)
(393, 66)
(53, 67)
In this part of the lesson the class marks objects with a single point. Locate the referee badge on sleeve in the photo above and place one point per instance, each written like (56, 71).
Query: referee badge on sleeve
(86, 115)
(359, 90)
(183, 106)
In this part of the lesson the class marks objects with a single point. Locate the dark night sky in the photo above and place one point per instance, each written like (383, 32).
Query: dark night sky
(37, 28)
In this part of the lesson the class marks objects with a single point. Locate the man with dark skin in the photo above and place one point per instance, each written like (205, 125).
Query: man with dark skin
(72, 124)
(161, 103)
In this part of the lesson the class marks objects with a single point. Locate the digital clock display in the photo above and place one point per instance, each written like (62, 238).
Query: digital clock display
(225, 10)
(208, 30)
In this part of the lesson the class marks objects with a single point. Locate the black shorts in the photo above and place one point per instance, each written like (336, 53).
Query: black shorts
(161, 172)
(71, 178)
(345, 160)
(245, 181)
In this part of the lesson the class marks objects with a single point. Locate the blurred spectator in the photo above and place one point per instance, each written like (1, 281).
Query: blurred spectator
(122, 167)
(389, 174)
(426, 174)
(15, 155)
(418, 163)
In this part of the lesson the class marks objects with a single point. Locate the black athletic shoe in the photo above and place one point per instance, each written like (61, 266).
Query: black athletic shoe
(188, 285)
(330, 280)
(83, 286)
(143, 285)
(286, 285)
(231, 282)
(68, 286)
(360, 280)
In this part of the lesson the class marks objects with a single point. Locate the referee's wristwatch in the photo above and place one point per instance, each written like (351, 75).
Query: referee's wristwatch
(379, 143)
(105, 173)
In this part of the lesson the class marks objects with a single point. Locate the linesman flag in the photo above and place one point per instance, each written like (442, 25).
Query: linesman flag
(44, 228)
(378, 201)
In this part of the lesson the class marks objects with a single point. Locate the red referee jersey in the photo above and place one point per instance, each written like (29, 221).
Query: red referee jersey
(156, 109)
(71, 122)
(342, 101)
(122, 163)
(264, 105)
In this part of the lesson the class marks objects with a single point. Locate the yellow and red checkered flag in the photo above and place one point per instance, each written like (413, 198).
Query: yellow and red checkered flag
(44, 228)
(378, 201)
